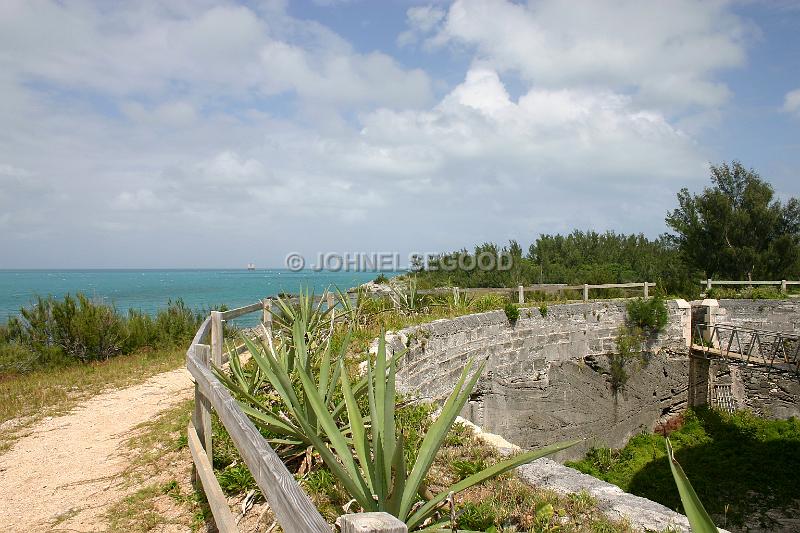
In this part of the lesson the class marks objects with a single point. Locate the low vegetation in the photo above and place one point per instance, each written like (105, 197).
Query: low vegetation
(646, 317)
(60, 333)
(499, 504)
(740, 465)
(649, 315)
(512, 312)
(762, 292)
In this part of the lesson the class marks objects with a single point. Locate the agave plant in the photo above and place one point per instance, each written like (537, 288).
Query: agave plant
(370, 464)
(458, 302)
(316, 318)
(407, 300)
(355, 311)
(259, 392)
(698, 517)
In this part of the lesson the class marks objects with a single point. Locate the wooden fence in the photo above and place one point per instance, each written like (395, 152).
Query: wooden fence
(520, 290)
(709, 283)
(292, 507)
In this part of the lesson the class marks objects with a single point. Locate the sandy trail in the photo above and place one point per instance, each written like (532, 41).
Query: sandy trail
(70, 466)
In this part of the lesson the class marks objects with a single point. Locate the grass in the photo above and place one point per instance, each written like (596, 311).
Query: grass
(740, 465)
(53, 391)
(159, 465)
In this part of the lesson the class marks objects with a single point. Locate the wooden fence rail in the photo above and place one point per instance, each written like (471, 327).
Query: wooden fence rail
(519, 291)
(709, 283)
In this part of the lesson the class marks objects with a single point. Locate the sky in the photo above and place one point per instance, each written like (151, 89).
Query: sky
(194, 134)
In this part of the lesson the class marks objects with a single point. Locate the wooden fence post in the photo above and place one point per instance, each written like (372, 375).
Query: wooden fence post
(646, 289)
(216, 338)
(521, 294)
(371, 523)
(266, 317)
(585, 292)
(455, 294)
(783, 285)
(202, 405)
(708, 284)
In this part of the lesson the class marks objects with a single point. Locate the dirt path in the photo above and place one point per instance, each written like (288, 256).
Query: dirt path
(67, 469)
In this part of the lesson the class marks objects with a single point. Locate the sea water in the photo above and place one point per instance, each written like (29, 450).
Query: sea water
(151, 290)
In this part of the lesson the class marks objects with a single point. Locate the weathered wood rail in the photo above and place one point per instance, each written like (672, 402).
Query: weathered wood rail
(520, 290)
(292, 507)
(709, 283)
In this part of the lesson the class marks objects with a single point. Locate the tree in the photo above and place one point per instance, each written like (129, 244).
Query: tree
(736, 229)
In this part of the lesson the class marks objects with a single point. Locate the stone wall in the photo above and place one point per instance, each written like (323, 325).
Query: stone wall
(772, 315)
(767, 394)
(547, 376)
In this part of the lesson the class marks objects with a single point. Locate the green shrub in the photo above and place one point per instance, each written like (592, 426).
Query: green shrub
(512, 312)
(381, 279)
(543, 309)
(629, 343)
(489, 302)
(16, 359)
(464, 469)
(177, 324)
(759, 292)
(720, 293)
(76, 326)
(649, 314)
(763, 292)
(476, 516)
(236, 479)
(77, 329)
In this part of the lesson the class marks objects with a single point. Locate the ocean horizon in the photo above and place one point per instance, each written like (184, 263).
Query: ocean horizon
(149, 290)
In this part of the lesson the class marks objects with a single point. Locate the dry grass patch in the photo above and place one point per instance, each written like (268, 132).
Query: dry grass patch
(26, 398)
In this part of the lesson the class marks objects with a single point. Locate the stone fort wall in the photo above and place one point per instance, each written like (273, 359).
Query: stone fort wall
(547, 376)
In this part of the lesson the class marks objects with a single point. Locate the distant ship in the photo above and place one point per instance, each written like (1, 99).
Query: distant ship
(251, 266)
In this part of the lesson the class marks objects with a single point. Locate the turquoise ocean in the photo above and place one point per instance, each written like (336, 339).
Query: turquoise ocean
(151, 290)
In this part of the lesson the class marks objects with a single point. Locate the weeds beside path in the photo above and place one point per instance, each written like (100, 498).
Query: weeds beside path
(67, 471)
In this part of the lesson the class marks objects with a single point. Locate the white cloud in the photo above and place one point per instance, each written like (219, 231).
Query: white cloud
(791, 102)
(559, 135)
(132, 129)
(340, 79)
(138, 200)
(421, 20)
(175, 113)
(667, 53)
(154, 50)
(230, 169)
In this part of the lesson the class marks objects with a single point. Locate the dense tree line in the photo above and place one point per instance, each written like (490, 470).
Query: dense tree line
(735, 229)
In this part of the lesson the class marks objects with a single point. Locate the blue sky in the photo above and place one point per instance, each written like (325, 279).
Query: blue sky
(208, 133)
